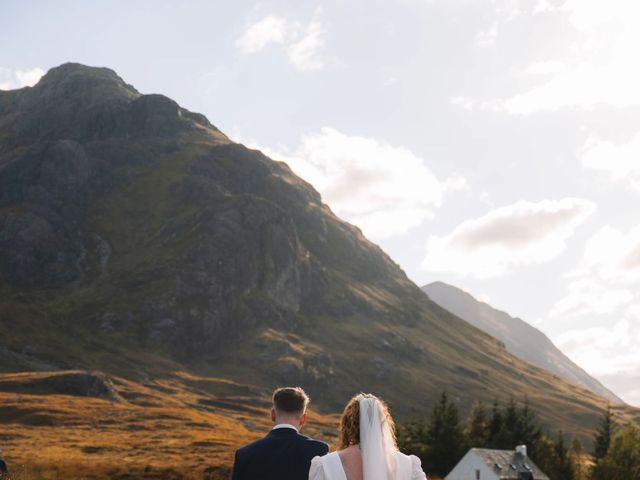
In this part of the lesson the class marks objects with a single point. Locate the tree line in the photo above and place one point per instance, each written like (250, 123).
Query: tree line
(444, 438)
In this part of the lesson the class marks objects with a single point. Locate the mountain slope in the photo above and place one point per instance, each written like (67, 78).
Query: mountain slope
(520, 338)
(137, 239)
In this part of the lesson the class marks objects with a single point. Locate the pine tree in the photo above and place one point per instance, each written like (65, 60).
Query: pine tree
(603, 437)
(562, 469)
(495, 426)
(478, 426)
(504, 437)
(576, 454)
(411, 439)
(528, 429)
(545, 456)
(444, 438)
(622, 461)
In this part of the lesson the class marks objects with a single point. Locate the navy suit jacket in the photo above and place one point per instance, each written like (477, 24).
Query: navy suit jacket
(283, 454)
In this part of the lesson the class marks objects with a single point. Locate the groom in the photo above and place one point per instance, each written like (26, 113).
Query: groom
(283, 454)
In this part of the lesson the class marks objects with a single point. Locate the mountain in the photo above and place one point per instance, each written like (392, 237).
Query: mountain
(519, 338)
(138, 240)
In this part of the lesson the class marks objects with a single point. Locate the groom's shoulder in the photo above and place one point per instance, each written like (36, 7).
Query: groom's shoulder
(312, 442)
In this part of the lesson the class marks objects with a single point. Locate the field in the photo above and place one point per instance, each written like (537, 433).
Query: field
(169, 429)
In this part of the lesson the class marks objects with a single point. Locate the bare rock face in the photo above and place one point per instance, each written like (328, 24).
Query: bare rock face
(198, 238)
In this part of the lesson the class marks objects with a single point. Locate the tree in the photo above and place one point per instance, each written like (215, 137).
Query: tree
(528, 429)
(411, 438)
(444, 438)
(478, 426)
(562, 469)
(545, 455)
(603, 437)
(576, 456)
(622, 460)
(495, 426)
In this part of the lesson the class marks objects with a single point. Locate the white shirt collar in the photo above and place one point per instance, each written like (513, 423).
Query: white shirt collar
(284, 425)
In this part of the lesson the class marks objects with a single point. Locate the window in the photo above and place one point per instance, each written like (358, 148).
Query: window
(477, 474)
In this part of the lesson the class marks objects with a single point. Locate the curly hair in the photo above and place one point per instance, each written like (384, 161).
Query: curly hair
(350, 422)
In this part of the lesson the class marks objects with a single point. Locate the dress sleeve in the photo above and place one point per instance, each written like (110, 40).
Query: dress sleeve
(416, 469)
(316, 471)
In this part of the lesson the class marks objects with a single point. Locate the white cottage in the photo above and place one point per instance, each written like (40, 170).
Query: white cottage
(486, 464)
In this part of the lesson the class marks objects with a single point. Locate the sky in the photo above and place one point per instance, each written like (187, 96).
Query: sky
(490, 144)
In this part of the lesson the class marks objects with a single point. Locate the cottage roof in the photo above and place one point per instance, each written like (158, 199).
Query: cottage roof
(509, 464)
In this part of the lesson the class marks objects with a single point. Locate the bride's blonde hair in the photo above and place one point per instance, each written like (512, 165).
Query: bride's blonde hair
(350, 422)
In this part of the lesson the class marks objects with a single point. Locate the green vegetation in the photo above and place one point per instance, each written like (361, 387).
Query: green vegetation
(443, 440)
(617, 452)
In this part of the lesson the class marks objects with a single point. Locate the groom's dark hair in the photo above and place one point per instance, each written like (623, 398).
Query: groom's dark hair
(289, 400)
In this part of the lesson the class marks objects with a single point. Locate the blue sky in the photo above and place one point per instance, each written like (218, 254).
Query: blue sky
(491, 144)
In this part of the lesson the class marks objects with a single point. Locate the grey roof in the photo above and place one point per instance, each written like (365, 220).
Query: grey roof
(513, 464)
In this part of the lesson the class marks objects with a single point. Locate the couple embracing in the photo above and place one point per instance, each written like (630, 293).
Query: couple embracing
(367, 447)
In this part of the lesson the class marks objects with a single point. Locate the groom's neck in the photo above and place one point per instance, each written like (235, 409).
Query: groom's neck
(294, 422)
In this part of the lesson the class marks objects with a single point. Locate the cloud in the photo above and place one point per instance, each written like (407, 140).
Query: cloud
(271, 29)
(609, 353)
(520, 234)
(301, 43)
(303, 53)
(385, 190)
(605, 286)
(607, 278)
(603, 69)
(620, 161)
(588, 296)
(599, 68)
(18, 78)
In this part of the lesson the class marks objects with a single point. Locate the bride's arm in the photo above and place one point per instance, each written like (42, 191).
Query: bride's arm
(316, 472)
(416, 469)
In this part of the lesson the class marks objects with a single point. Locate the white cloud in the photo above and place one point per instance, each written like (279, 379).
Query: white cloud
(302, 44)
(589, 296)
(609, 353)
(520, 234)
(607, 278)
(604, 68)
(605, 287)
(303, 53)
(620, 161)
(271, 29)
(600, 68)
(18, 78)
(385, 190)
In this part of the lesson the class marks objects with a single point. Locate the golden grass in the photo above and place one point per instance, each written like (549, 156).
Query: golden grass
(172, 432)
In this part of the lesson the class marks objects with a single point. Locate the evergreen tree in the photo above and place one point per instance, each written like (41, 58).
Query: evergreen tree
(495, 425)
(576, 456)
(411, 439)
(603, 437)
(444, 438)
(562, 469)
(545, 456)
(528, 429)
(478, 432)
(622, 461)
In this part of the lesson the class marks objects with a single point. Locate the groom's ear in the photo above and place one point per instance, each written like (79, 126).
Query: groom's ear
(273, 415)
(303, 419)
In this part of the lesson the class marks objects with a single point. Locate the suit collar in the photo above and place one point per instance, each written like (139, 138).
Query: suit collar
(282, 432)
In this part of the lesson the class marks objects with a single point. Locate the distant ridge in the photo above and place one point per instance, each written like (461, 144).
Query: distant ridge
(519, 338)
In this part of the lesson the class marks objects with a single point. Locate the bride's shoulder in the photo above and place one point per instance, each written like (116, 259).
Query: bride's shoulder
(324, 468)
(412, 465)
(316, 471)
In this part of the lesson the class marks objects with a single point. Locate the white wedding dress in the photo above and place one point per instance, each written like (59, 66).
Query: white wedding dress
(381, 460)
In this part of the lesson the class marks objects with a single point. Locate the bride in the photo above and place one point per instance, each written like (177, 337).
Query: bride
(367, 448)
